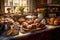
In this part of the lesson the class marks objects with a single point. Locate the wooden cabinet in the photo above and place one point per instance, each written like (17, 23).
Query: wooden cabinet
(52, 10)
(39, 2)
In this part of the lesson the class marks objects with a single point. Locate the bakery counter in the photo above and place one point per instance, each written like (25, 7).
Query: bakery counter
(27, 35)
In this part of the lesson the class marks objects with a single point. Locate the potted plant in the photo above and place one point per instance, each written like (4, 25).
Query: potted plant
(40, 12)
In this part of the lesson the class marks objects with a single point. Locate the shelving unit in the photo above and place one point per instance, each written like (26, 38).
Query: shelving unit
(52, 10)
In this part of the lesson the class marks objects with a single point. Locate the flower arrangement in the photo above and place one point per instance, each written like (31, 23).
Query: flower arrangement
(40, 10)
(20, 8)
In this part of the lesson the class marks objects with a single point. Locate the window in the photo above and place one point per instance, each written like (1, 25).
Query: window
(11, 3)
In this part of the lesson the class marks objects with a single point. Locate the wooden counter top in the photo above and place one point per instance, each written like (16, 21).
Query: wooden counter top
(49, 27)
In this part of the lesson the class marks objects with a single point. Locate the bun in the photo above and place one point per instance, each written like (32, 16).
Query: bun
(21, 20)
(51, 21)
(57, 21)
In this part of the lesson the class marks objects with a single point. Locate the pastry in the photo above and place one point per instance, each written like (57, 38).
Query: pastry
(21, 20)
(33, 26)
(11, 32)
(51, 21)
(29, 27)
(57, 21)
(30, 21)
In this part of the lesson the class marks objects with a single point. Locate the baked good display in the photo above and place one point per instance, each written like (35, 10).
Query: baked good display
(32, 25)
(23, 25)
(53, 21)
